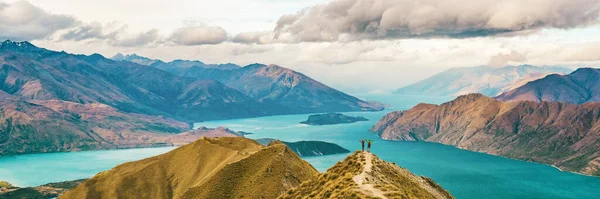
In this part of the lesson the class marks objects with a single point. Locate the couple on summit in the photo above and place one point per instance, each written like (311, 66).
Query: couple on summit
(368, 144)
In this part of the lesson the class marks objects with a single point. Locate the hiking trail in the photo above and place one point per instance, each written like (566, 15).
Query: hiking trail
(361, 179)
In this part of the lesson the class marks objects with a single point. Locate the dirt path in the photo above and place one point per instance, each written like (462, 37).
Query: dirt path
(361, 179)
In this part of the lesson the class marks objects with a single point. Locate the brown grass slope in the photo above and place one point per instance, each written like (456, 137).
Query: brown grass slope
(392, 180)
(564, 135)
(265, 174)
(198, 169)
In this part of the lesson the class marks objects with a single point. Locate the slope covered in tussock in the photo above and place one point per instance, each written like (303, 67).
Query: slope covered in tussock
(356, 177)
(265, 174)
(203, 169)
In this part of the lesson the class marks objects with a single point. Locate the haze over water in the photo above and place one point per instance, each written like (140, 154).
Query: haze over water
(465, 174)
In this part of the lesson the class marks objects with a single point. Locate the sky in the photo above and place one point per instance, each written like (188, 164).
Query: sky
(352, 45)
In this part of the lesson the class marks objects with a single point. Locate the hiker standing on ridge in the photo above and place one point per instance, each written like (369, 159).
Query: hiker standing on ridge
(369, 145)
(363, 144)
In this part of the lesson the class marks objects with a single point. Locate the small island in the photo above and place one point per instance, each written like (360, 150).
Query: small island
(309, 148)
(332, 118)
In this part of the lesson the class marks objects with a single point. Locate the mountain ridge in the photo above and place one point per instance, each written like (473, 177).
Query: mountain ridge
(235, 167)
(201, 170)
(580, 86)
(490, 81)
(364, 175)
(41, 78)
(560, 134)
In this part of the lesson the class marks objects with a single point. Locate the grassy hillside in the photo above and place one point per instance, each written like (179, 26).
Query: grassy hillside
(201, 170)
(356, 177)
(265, 174)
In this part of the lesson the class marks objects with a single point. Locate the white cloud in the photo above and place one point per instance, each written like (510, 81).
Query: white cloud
(21, 20)
(350, 51)
(113, 33)
(199, 35)
(502, 59)
(349, 20)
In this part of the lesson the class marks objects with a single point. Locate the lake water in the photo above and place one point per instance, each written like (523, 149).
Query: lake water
(465, 174)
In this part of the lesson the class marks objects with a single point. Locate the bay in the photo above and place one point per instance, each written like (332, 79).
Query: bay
(465, 174)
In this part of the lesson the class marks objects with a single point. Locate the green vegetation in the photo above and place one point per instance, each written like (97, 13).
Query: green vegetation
(309, 148)
(50, 190)
(28, 193)
(332, 118)
(4, 184)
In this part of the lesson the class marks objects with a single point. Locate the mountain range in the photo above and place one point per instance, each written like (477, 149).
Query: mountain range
(53, 100)
(487, 80)
(578, 87)
(235, 167)
(290, 91)
(564, 135)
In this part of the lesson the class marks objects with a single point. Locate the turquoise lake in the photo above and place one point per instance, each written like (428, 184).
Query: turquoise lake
(465, 174)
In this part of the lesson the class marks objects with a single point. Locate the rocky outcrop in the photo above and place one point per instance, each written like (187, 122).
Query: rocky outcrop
(490, 81)
(332, 118)
(564, 135)
(579, 87)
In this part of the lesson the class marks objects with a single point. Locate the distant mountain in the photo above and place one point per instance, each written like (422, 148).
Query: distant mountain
(174, 65)
(177, 66)
(275, 84)
(54, 125)
(581, 86)
(38, 74)
(226, 167)
(135, 59)
(58, 126)
(364, 175)
(487, 80)
(564, 135)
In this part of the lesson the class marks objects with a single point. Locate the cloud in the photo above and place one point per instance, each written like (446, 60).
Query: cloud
(139, 39)
(117, 35)
(502, 59)
(351, 20)
(21, 20)
(581, 53)
(199, 35)
(112, 33)
(253, 37)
